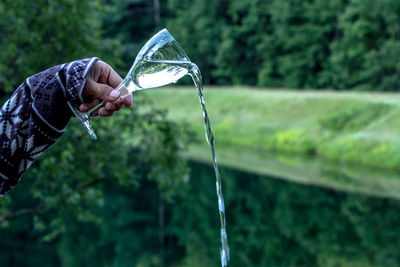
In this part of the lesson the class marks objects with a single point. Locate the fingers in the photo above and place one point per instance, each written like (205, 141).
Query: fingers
(112, 107)
(127, 100)
(117, 104)
(109, 107)
(113, 79)
(100, 85)
(103, 73)
(85, 107)
(101, 91)
(105, 113)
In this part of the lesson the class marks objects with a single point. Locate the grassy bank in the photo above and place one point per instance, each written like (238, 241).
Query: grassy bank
(362, 128)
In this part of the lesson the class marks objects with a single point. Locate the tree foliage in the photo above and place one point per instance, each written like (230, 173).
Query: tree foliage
(341, 44)
(270, 223)
(131, 23)
(71, 183)
(36, 35)
(85, 203)
(310, 44)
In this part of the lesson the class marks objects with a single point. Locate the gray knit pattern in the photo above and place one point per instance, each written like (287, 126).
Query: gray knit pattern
(36, 115)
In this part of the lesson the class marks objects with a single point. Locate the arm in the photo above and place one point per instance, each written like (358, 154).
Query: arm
(37, 114)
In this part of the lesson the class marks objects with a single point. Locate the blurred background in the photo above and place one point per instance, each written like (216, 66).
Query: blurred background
(303, 101)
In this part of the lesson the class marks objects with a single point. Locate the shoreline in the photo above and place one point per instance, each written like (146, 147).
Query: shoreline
(349, 127)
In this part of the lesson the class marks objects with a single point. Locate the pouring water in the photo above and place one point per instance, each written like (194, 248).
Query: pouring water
(162, 61)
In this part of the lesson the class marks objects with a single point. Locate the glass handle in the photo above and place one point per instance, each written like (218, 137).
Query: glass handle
(84, 118)
(90, 112)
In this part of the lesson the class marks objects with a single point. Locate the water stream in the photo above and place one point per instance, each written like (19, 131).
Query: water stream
(196, 76)
(155, 73)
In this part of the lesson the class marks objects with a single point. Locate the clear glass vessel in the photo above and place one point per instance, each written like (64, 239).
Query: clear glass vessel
(161, 61)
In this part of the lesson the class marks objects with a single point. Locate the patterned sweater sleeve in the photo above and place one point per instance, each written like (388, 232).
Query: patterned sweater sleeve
(36, 115)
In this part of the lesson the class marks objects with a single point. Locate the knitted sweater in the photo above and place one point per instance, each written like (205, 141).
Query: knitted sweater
(36, 115)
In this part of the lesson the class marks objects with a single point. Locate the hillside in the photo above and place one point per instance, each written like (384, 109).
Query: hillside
(352, 127)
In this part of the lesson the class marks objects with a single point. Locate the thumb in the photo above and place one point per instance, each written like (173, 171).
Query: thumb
(102, 91)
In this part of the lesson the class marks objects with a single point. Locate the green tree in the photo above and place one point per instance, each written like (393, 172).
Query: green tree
(311, 44)
(36, 35)
(67, 187)
(381, 68)
(69, 184)
(362, 29)
(132, 23)
(239, 55)
(198, 26)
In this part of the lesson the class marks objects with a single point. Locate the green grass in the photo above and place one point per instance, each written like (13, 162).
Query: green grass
(362, 128)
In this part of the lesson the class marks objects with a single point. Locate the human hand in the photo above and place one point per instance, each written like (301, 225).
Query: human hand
(100, 83)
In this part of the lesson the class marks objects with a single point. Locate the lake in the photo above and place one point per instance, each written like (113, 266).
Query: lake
(273, 222)
(328, 215)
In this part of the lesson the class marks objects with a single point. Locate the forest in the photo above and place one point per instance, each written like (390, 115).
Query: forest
(339, 44)
(132, 199)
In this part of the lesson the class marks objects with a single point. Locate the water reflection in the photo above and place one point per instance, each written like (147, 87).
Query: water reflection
(272, 222)
(307, 170)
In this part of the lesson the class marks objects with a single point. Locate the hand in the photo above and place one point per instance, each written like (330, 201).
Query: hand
(100, 83)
